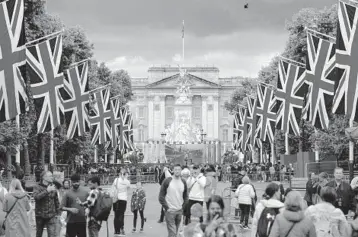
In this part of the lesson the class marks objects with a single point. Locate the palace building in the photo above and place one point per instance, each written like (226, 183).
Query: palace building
(182, 106)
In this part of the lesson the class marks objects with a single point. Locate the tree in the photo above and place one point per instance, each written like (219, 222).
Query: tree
(268, 74)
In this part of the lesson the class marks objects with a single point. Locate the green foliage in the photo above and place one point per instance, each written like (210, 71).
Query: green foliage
(268, 74)
(333, 140)
(246, 88)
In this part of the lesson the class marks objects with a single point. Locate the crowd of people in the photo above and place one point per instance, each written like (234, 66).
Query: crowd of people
(328, 208)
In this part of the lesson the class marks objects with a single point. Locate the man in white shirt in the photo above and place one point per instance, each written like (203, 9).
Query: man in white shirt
(196, 184)
(120, 187)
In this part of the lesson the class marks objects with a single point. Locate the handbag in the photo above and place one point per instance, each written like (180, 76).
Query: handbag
(114, 193)
(3, 224)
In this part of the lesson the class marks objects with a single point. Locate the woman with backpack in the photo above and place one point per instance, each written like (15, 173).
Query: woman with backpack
(138, 201)
(245, 194)
(266, 211)
(292, 221)
(328, 220)
(16, 205)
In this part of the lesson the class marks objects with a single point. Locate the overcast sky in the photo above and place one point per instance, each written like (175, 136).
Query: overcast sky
(136, 34)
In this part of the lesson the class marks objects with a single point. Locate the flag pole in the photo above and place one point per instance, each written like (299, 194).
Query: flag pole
(18, 146)
(45, 37)
(183, 41)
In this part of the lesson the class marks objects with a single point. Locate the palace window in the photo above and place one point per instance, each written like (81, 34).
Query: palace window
(225, 135)
(141, 134)
(197, 112)
(141, 112)
(225, 113)
(210, 107)
(169, 113)
(156, 107)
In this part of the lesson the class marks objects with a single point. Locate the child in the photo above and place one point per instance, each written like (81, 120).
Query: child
(137, 204)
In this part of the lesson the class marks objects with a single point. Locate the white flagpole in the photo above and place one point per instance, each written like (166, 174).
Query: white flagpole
(183, 41)
(287, 144)
(18, 147)
(51, 148)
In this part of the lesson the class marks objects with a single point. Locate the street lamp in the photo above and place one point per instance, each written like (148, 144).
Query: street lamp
(202, 135)
(163, 135)
(186, 159)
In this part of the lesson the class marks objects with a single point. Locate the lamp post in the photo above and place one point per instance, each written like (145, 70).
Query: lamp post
(162, 146)
(202, 137)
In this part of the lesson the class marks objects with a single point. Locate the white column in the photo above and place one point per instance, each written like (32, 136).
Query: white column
(150, 117)
(216, 117)
(162, 115)
(204, 113)
(287, 144)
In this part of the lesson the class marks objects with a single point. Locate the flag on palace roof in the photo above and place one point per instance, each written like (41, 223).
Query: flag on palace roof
(266, 102)
(75, 99)
(116, 121)
(291, 90)
(100, 116)
(320, 75)
(127, 143)
(346, 91)
(13, 97)
(43, 68)
(238, 129)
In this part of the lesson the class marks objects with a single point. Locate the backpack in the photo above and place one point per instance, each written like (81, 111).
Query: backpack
(266, 221)
(103, 207)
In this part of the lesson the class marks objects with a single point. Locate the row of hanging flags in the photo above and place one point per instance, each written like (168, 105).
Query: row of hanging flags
(326, 84)
(58, 97)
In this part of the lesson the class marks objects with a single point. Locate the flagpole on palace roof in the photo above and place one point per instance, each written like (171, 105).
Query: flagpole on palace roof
(183, 40)
(45, 37)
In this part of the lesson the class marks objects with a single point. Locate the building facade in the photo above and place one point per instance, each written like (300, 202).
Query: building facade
(182, 105)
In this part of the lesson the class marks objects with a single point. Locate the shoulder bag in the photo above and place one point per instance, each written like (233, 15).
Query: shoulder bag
(7, 213)
(289, 231)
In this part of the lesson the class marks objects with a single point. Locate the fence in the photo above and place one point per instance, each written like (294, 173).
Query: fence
(258, 176)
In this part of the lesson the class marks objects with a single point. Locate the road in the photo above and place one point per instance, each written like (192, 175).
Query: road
(152, 212)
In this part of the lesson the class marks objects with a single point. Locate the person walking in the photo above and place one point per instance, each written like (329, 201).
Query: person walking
(76, 218)
(172, 196)
(16, 205)
(211, 182)
(245, 194)
(137, 205)
(119, 193)
(47, 205)
(196, 184)
(345, 194)
(164, 174)
(292, 221)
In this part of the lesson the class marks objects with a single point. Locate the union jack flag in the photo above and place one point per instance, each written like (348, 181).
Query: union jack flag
(251, 122)
(116, 121)
(127, 143)
(100, 116)
(320, 75)
(75, 100)
(239, 128)
(346, 91)
(291, 89)
(266, 102)
(43, 66)
(13, 97)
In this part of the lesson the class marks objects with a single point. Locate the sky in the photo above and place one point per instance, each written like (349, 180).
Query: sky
(136, 34)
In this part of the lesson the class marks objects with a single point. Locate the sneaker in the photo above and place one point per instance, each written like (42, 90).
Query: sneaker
(141, 230)
(133, 230)
(123, 233)
(160, 221)
(246, 227)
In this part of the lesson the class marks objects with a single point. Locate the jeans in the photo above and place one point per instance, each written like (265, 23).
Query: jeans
(135, 216)
(76, 229)
(50, 224)
(245, 213)
(119, 208)
(93, 228)
(188, 211)
(173, 219)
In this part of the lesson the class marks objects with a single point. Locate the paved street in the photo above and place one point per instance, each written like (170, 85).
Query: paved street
(152, 212)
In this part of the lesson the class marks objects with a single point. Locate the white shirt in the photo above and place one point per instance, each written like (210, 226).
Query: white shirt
(174, 196)
(197, 186)
(122, 186)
